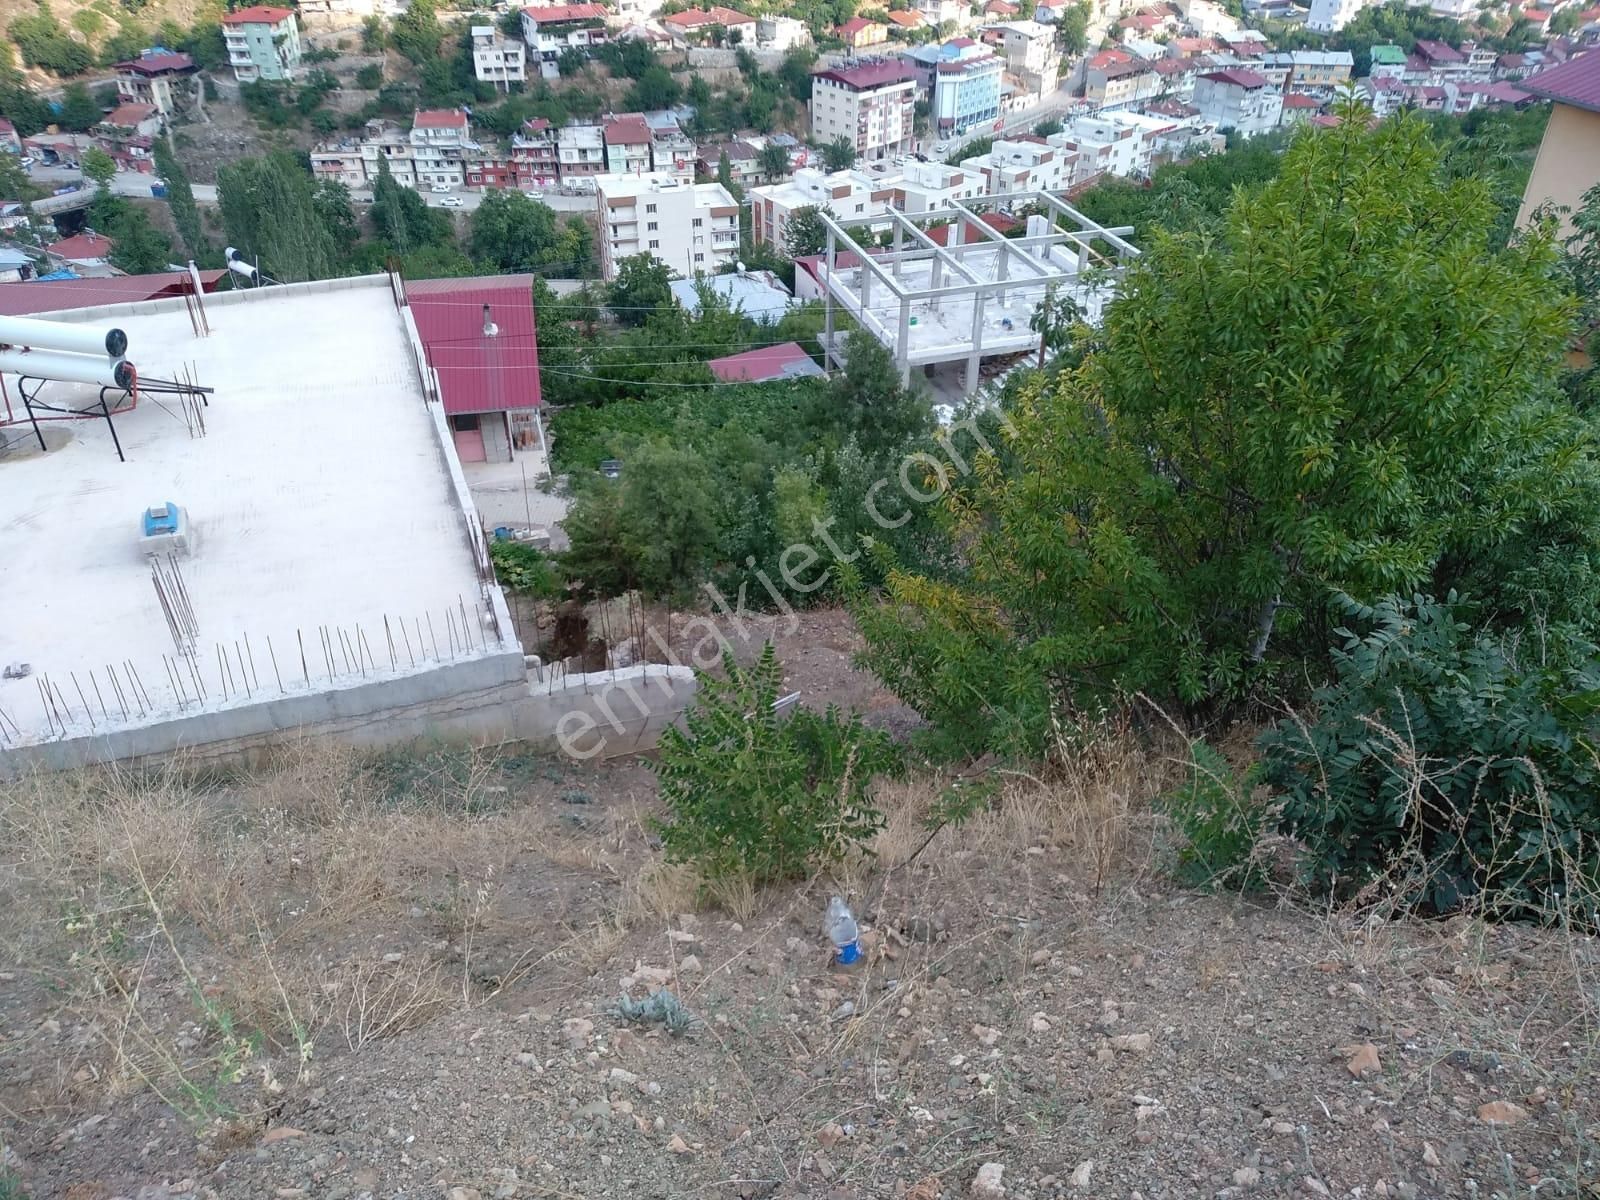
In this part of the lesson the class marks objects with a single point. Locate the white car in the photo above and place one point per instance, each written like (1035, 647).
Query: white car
(440, 188)
(534, 195)
(451, 202)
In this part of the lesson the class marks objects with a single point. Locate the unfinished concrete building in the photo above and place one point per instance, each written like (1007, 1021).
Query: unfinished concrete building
(951, 288)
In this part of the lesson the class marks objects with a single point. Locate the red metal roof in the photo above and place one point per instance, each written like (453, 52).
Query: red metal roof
(716, 15)
(1296, 100)
(479, 374)
(627, 129)
(81, 246)
(258, 14)
(855, 25)
(129, 115)
(784, 361)
(1239, 77)
(906, 20)
(1439, 52)
(1575, 82)
(555, 14)
(61, 295)
(155, 64)
(870, 75)
(438, 118)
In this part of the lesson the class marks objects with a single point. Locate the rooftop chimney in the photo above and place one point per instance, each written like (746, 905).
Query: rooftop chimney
(490, 329)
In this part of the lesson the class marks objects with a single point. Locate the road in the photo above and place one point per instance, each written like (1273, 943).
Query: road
(470, 200)
(1021, 121)
(124, 183)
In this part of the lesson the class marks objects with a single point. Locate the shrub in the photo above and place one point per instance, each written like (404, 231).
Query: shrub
(756, 796)
(370, 77)
(1221, 825)
(1454, 754)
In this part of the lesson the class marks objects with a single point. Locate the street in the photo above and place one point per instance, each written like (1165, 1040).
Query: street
(133, 184)
(471, 199)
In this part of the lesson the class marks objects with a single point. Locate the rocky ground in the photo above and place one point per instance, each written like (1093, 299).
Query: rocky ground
(1042, 1014)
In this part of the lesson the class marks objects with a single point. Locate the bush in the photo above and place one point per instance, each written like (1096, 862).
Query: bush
(370, 77)
(755, 796)
(1220, 823)
(1438, 750)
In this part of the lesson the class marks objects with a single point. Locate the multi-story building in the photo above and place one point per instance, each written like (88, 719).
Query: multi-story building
(1309, 72)
(1388, 62)
(440, 142)
(962, 81)
(1238, 99)
(581, 151)
(534, 154)
(940, 12)
(1120, 82)
(1032, 54)
(498, 60)
(1023, 164)
(1436, 63)
(392, 145)
(693, 228)
(1330, 16)
(848, 195)
(926, 186)
(870, 104)
(551, 29)
(1568, 162)
(1177, 76)
(159, 77)
(262, 43)
(339, 162)
(1111, 143)
(781, 34)
(860, 33)
(672, 151)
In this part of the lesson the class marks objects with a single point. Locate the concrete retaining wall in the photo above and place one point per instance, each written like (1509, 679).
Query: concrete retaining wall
(606, 713)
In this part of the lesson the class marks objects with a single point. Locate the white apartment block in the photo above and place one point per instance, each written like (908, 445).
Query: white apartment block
(1023, 165)
(871, 104)
(581, 151)
(393, 145)
(1330, 16)
(498, 60)
(845, 194)
(924, 187)
(1112, 143)
(781, 34)
(1031, 54)
(692, 228)
(1238, 99)
(440, 140)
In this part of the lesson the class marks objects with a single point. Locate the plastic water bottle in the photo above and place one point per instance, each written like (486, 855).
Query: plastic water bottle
(840, 925)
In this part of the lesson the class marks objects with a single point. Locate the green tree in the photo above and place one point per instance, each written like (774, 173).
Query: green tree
(873, 404)
(98, 166)
(269, 212)
(1178, 510)
(331, 202)
(518, 234)
(43, 42)
(773, 161)
(372, 34)
(1072, 31)
(79, 111)
(839, 154)
(180, 199)
(21, 105)
(402, 217)
(805, 233)
(643, 282)
(370, 77)
(416, 32)
(653, 88)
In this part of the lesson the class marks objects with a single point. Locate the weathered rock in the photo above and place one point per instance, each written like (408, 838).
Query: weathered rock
(1081, 1173)
(1502, 1112)
(987, 1183)
(676, 1145)
(1246, 1177)
(279, 1133)
(1039, 1023)
(1361, 1060)
(577, 1031)
(690, 965)
(1132, 1043)
(831, 1134)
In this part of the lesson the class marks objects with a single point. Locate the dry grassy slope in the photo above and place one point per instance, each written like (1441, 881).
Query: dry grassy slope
(184, 12)
(338, 978)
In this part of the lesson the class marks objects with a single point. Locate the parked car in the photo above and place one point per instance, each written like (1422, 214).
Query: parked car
(451, 202)
(534, 195)
(440, 188)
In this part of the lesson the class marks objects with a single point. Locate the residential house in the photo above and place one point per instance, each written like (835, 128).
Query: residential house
(1538, 19)
(127, 133)
(83, 252)
(480, 339)
(1032, 55)
(1298, 108)
(1318, 72)
(1330, 16)
(904, 24)
(339, 162)
(698, 26)
(1048, 12)
(1001, 10)
(692, 228)
(1111, 143)
(552, 29)
(928, 186)
(848, 195)
(870, 104)
(1433, 62)
(1246, 44)
(1023, 164)
(769, 364)
(158, 77)
(581, 151)
(392, 145)
(497, 60)
(1177, 76)
(1206, 17)
(781, 34)
(962, 81)
(535, 156)
(627, 139)
(1568, 162)
(1238, 99)
(1388, 62)
(672, 151)
(262, 43)
(940, 12)
(15, 266)
(859, 33)
(440, 141)
(1120, 82)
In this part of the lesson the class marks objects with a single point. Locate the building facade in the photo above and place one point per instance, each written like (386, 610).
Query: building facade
(440, 142)
(627, 139)
(1238, 99)
(497, 60)
(262, 43)
(550, 30)
(962, 82)
(692, 228)
(1568, 162)
(871, 105)
(158, 77)
(845, 194)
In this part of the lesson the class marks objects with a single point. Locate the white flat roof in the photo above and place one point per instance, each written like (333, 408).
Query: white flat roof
(321, 496)
(705, 194)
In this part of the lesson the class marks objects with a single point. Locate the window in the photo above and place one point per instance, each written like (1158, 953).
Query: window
(698, 222)
(651, 226)
(649, 208)
(699, 258)
(654, 245)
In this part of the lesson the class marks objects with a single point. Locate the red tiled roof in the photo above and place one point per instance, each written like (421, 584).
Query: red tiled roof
(1239, 77)
(81, 246)
(906, 20)
(556, 14)
(1002, 7)
(628, 129)
(6, 126)
(1507, 93)
(257, 14)
(476, 373)
(129, 115)
(716, 15)
(536, 124)
(1108, 57)
(1326, 120)
(870, 75)
(1436, 51)
(1296, 100)
(784, 361)
(438, 118)
(1575, 82)
(62, 295)
(155, 64)
(854, 26)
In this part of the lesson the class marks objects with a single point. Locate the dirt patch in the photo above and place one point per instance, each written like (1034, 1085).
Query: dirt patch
(1036, 996)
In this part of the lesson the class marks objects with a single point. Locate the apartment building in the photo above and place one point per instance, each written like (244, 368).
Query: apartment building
(925, 187)
(781, 34)
(692, 228)
(860, 33)
(1319, 72)
(1330, 16)
(339, 162)
(1023, 164)
(1238, 99)
(159, 77)
(1032, 54)
(534, 154)
(672, 151)
(1115, 79)
(871, 104)
(497, 60)
(552, 29)
(392, 145)
(1111, 143)
(440, 142)
(627, 141)
(581, 151)
(846, 194)
(262, 43)
(962, 81)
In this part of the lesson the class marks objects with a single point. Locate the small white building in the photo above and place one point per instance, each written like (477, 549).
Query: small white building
(692, 228)
(848, 195)
(1111, 143)
(1238, 99)
(1032, 54)
(781, 34)
(498, 60)
(1025, 164)
(925, 187)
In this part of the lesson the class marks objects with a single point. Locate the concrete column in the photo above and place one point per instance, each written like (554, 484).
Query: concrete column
(899, 232)
(975, 357)
(827, 307)
(903, 344)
